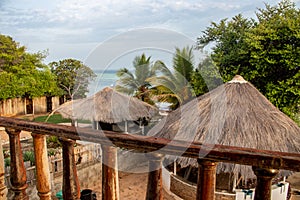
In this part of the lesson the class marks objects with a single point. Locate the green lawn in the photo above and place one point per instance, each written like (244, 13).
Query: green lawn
(57, 118)
(54, 119)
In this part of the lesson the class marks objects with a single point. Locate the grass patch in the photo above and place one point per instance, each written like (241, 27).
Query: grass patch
(54, 119)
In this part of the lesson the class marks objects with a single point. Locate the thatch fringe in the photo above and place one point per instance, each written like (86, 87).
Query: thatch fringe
(234, 114)
(108, 106)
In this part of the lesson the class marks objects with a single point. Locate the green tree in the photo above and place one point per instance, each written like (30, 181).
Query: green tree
(73, 77)
(136, 83)
(22, 73)
(275, 53)
(230, 52)
(205, 77)
(264, 51)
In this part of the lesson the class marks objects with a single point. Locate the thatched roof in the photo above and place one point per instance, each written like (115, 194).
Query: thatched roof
(234, 114)
(107, 106)
(66, 109)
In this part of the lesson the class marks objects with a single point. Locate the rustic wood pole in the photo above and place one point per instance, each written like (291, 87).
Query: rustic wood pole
(17, 169)
(71, 188)
(154, 187)
(110, 178)
(43, 184)
(263, 188)
(206, 180)
(3, 189)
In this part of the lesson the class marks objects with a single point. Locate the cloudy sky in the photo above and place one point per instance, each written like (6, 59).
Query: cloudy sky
(78, 28)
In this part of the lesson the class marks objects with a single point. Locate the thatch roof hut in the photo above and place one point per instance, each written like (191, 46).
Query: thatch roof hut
(234, 114)
(108, 106)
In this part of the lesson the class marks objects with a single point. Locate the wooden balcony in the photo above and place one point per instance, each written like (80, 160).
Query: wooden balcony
(265, 163)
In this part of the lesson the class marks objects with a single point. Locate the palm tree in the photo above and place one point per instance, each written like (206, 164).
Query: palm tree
(174, 87)
(183, 62)
(136, 83)
(169, 87)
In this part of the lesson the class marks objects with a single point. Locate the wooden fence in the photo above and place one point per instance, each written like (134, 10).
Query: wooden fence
(24, 106)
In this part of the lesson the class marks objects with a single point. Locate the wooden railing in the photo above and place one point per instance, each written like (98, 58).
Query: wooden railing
(265, 163)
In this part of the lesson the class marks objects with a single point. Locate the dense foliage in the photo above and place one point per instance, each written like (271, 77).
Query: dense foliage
(23, 74)
(73, 77)
(265, 51)
(205, 77)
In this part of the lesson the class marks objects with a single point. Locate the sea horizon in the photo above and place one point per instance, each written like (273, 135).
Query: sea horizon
(104, 78)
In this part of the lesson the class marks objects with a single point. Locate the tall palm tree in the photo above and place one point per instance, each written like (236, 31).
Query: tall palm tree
(183, 62)
(136, 83)
(174, 87)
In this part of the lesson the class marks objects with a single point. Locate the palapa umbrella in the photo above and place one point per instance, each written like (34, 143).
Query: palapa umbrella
(108, 106)
(233, 114)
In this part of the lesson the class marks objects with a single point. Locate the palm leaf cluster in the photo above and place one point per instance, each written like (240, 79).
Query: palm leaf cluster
(136, 83)
(155, 82)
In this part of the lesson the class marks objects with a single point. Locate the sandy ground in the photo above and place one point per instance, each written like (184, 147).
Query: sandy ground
(134, 187)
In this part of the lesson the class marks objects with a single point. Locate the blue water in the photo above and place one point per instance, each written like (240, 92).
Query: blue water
(107, 78)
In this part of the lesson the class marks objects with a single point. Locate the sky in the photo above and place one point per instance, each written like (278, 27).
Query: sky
(108, 34)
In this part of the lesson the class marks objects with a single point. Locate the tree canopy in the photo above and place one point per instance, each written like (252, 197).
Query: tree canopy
(266, 51)
(205, 77)
(23, 74)
(73, 77)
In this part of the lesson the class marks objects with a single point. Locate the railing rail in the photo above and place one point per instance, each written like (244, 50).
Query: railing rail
(214, 153)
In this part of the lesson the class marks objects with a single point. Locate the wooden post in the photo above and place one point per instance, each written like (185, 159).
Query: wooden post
(43, 184)
(206, 180)
(110, 178)
(3, 189)
(71, 188)
(154, 187)
(263, 188)
(17, 169)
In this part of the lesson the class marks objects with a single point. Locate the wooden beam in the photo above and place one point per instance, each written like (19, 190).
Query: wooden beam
(3, 189)
(206, 180)
(263, 188)
(219, 153)
(110, 178)
(18, 177)
(43, 184)
(71, 188)
(154, 185)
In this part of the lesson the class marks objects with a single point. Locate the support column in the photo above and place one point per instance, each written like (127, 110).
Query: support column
(71, 188)
(17, 169)
(3, 189)
(154, 187)
(110, 178)
(263, 188)
(206, 180)
(43, 184)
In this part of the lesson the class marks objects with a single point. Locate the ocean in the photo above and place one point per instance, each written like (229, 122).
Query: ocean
(106, 78)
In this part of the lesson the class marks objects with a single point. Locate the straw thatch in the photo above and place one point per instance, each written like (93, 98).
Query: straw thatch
(66, 109)
(107, 106)
(234, 114)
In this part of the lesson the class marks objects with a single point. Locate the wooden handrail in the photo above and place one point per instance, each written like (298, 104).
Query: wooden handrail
(265, 163)
(218, 153)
